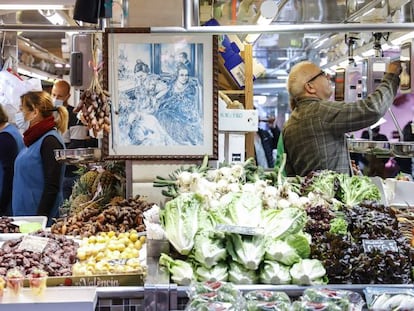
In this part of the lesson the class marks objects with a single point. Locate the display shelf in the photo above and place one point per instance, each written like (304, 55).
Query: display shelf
(382, 148)
(54, 298)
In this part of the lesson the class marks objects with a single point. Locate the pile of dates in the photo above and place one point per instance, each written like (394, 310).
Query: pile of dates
(7, 225)
(56, 257)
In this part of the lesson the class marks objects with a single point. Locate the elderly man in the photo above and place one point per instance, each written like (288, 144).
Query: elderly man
(314, 135)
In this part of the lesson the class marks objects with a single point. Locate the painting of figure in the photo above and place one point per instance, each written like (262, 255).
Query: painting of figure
(162, 96)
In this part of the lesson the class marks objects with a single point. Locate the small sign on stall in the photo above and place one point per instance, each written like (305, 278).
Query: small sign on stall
(381, 245)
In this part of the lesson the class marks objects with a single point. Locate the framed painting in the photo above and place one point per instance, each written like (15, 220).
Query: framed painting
(163, 95)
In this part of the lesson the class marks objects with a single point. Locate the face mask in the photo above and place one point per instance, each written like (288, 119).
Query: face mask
(58, 102)
(21, 123)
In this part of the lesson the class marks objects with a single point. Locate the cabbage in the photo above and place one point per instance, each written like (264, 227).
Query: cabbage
(282, 223)
(181, 271)
(282, 252)
(207, 250)
(240, 275)
(239, 209)
(215, 273)
(275, 273)
(247, 250)
(180, 221)
(308, 272)
(300, 242)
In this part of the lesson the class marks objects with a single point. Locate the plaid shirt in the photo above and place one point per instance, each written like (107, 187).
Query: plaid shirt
(314, 135)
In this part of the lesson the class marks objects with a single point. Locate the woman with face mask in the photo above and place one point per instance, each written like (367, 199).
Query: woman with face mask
(11, 142)
(38, 177)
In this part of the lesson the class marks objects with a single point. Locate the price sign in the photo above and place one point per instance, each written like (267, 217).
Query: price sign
(33, 243)
(240, 229)
(119, 261)
(381, 245)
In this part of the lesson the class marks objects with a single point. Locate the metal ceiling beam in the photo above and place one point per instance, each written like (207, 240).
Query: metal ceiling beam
(47, 28)
(308, 28)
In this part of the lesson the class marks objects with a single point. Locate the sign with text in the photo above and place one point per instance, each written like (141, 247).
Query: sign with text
(381, 245)
(33, 243)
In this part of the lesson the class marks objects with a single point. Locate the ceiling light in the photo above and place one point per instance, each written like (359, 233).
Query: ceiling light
(399, 40)
(268, 11)
(36, 5)
(21, 7)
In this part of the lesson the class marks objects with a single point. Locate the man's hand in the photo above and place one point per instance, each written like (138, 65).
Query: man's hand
(394, 67)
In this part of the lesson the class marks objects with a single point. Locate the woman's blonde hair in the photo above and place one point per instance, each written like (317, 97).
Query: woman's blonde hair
(43, 102)
(4, 118)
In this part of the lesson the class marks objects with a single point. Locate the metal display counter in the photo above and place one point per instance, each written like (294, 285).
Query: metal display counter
(158, 294)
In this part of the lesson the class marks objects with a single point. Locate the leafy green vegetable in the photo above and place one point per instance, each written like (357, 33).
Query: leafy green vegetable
(275, 273)
(246, 250)
(300, 242)
(308, 272)
(282, 252)
(338, 225)
(239, 209)
(214, 273)
(208, 249)
(181, 271)
(240, 275)
(355, 189)
(281, 223)
(180, 221)
(323, 182)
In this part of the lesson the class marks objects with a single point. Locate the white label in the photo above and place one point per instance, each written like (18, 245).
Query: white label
(381, 245)
(238, 74)
(32, 243)
(240, 229)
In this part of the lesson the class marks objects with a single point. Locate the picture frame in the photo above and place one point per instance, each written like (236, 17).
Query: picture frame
(164, 95)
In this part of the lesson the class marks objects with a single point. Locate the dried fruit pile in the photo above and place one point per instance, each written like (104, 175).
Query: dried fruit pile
(121, 216)
(94, 104)
(7, 226)
(56, 259)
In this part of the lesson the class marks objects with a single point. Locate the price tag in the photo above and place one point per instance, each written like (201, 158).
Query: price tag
(119, 261)
(32, 243)
(381, 245)
(240, 229)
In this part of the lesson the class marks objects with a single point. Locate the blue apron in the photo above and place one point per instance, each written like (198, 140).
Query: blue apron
(28, 182)
(14, 132)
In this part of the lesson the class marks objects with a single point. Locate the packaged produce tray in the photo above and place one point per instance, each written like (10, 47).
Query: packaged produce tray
(21, 221)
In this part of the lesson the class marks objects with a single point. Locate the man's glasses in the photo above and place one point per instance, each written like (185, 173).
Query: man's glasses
(322, 73)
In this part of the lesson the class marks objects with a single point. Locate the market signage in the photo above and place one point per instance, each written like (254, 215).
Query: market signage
(240, 229)
(381, 245)
(32, 243)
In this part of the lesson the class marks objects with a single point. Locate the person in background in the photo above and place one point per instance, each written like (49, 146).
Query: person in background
(11, 142)
(314, 135)
(406, 164)
(77, 135)
(38, 176)
(374, 166)
(269, 137)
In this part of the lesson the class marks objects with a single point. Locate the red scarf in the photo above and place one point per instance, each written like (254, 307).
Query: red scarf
(34, 132)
